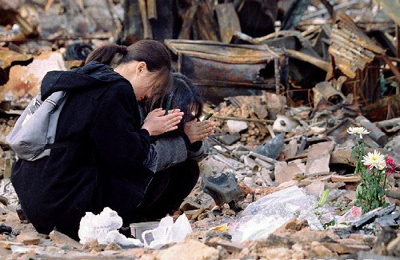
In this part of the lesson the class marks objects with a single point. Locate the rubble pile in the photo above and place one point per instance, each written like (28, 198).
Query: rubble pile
(284, 82)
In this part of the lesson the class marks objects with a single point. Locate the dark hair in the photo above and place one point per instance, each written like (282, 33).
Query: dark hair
(185, 97)
(153, 53)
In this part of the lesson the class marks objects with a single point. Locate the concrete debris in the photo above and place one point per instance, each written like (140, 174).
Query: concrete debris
(288, 171)
(28, 238)
(236, 126)
(62, 239)
(282, 101)
(318, 158)
(190, 250)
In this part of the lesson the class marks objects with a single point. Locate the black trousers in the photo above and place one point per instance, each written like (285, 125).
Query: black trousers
(165, 193)
(167, 190)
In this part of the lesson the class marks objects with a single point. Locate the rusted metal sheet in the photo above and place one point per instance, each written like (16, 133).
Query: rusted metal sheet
(228, 21)
(351, 48)
(225, 53)
(227, 65)
(213, 73)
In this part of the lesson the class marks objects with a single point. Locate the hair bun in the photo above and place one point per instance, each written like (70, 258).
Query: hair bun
(123, 50)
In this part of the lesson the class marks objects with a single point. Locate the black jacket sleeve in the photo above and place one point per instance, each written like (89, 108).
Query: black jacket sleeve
(116, 133)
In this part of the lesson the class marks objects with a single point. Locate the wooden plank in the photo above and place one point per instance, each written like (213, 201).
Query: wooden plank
(146, 24)
(348, 178)
(152, 9)
(206, 23)
(228, 21)
(392, 67)
(188, 18)
(307, 58)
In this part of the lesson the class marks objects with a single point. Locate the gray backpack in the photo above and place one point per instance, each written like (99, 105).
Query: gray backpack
(35, 129)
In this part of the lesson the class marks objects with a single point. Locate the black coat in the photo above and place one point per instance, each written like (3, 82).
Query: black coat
(97, 157)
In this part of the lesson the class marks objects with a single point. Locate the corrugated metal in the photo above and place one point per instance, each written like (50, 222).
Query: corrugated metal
(351, 48)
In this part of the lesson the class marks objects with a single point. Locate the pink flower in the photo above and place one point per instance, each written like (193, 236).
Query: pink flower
(390, 166)
(355, 212)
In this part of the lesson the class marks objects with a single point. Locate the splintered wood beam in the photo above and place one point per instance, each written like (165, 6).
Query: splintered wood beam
(152, 9)
(188, 18)
(146, 24)
(323, 65)
(392, 67)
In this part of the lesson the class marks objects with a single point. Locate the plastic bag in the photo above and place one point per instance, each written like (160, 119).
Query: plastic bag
(104, 227)
(264, 216)
(167, 232)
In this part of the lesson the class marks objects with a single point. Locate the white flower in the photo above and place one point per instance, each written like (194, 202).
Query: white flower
(357, 131)
(374, 160)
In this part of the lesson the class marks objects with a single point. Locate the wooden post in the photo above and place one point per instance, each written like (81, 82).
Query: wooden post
(398, 45)
(146, 24)
(277, 75)
(152, 9)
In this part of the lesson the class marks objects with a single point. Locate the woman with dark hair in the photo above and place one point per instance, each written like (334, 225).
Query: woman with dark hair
(100, 146)
(173, 156)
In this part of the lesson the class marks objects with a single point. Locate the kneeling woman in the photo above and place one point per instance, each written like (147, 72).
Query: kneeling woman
(172, 156)
(100, 147)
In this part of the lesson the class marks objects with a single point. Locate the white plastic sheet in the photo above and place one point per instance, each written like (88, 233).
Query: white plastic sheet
(104, 227)
(263, 217)
(167, 232)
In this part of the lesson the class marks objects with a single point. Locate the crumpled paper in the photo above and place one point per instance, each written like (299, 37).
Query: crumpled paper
(167, 232)
(104, 227)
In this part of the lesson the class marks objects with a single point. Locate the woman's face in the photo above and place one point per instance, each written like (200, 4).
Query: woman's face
(143, 81)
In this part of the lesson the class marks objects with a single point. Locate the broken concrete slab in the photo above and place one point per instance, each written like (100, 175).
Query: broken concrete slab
(318, 158)
(236, 126)
(230, 139)
(28, 238)
(287, 171)
(290, 150)
(62, 239)
(192, 249)
(342, 157)
(316, 188)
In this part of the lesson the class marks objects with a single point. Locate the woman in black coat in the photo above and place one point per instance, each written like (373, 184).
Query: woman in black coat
(100, 145)
(173, 156)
